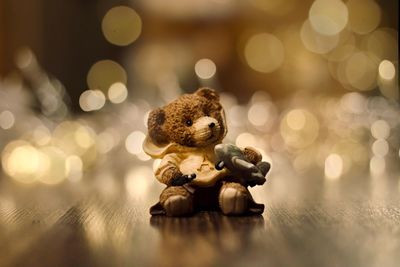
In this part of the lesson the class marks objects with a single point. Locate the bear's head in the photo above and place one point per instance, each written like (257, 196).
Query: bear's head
(192, 120)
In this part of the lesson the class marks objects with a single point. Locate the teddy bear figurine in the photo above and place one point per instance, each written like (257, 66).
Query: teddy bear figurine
(184, 134)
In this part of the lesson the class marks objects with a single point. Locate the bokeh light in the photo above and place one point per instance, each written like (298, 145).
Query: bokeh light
(245, 139)
(382, 44)
(364, 15)
(137, 181)
(377, 165)
(361, 71)
(75, 138)
(299, 128)
(380, 147)
(73, 168)
(41, 135)
(264, 52)
(274, 7)
(23, 162)
(333, 166)
(387, 70)
(205, 68)
(328, 17)
(7, 119)
(134, 141)
(380, 129)
(105, 73)
(317, 92)
(121, 25)
(258, 114)
(117, 93)
(91, 100)
(56, 168)
(315, 41)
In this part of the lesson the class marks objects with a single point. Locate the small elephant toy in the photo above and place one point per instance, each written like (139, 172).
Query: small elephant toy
(232, 157)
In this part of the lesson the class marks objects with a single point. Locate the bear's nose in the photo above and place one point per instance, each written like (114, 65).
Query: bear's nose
(211, 125)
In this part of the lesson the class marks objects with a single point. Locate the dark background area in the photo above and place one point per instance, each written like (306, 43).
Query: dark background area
(66, 38)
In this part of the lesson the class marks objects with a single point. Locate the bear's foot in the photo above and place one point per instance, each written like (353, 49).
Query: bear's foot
(234, 199)
(178, 206)
(176, 201)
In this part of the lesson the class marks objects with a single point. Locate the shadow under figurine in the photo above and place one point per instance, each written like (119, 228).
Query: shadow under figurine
(199, 171)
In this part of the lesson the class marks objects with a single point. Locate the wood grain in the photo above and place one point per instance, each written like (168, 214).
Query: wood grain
(331, 224)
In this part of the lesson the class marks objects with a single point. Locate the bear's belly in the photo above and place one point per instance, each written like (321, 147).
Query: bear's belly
(206, 174)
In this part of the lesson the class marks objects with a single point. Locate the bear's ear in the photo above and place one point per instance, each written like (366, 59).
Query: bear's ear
(154, 124)
(208, 93)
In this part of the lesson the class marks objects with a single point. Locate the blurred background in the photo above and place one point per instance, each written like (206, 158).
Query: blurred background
(313, 84)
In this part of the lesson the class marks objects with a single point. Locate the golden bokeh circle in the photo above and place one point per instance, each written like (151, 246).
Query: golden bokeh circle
(104, 73)
(382, 43)
(121, 25)
(264, 52)
(364, 15)
(328, 17)
(361, 71)
(299, 128)
(316, 42)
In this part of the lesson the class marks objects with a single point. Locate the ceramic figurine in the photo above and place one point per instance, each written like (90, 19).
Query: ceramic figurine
(199, 172)
(232, 157)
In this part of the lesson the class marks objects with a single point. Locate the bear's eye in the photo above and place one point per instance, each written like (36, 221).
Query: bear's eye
(189, 122)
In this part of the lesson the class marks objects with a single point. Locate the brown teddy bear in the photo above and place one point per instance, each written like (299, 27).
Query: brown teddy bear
(183, 134)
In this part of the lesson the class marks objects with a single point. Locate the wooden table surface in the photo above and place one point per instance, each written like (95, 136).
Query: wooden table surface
(307, 222)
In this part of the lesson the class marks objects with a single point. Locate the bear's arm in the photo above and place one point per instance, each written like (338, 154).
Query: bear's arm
(252, 155)
(168, 169)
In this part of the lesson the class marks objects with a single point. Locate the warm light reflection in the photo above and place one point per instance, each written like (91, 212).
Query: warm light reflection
(106, 141)
(121, 25)
(73, 168)
(7, 119)
(317, 42)
(355, 103)
(333, 166)
(137, 181)
(264, 52)
(360, 71)
(387, 70)
(134, 141)
(274, 7)
(296, 119)
(205, 68)
(23, 162)
(380, 147)
(74, 138)
(380, 129)
(24, 58)
(328, 17)
(41, 135)
(345, 48)
(91, 100)
(105, 73)
(56, 168)
(364, 15)
(245, 139)
(382, 44)
(117, 93)
(258, 114)
(299, 128)
(377, 165)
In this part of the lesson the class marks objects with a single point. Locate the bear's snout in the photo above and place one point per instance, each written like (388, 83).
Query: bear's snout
(206, 130)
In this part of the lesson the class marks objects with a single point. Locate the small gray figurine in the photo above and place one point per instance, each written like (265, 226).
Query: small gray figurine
(232, 157)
